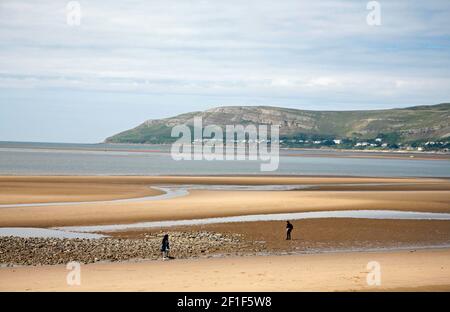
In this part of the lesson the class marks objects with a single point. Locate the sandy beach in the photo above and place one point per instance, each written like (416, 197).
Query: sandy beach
(402, 270)
(311, 235)
(324, 255)
(347, 193)
(28, 191)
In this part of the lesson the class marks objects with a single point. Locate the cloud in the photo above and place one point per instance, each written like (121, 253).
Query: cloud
(320, 49)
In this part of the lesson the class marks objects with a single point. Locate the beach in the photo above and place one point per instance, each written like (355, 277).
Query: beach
(325, 254)
(404, 194)
(401, 270)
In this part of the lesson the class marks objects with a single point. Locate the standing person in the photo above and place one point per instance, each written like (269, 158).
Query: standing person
(289, 228)
(165, 247)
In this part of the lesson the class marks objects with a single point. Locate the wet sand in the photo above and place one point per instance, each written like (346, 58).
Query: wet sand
(307, 268)
(427, 195)
(233, 180)
(27, 191)
(424, 270)
(318, 235)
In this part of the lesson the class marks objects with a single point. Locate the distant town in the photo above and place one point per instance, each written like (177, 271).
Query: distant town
(379, 143)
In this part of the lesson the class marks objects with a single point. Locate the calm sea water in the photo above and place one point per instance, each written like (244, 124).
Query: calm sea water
(104, 159)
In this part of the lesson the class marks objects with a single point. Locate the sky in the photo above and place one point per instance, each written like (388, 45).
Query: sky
(126, 62)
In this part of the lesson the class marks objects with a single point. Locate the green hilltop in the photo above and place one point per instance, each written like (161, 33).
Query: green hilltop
(412, 125)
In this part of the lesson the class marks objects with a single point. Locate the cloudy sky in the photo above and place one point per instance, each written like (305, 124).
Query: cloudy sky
(131, 61)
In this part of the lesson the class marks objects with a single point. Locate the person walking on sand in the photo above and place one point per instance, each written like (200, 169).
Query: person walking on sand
(165, 247)
(289, 228)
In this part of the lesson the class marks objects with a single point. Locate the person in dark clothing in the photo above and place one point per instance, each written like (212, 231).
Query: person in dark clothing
(165, 247)
(289, 228)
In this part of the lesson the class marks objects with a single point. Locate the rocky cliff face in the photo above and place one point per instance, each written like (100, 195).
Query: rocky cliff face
(409, 124)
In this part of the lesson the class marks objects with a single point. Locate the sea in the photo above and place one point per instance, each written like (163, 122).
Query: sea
(18, 158)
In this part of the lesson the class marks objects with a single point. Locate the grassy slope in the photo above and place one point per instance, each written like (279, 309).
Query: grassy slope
(409, 124)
